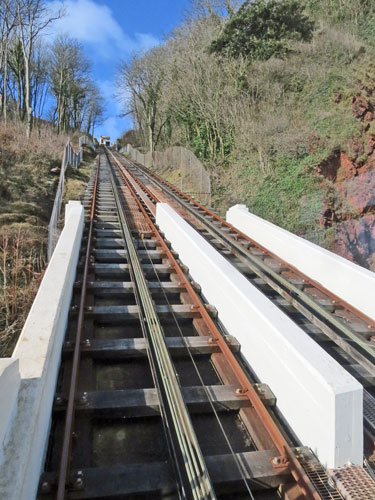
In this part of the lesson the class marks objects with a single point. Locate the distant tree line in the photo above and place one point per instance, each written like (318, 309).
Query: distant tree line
(32, 71)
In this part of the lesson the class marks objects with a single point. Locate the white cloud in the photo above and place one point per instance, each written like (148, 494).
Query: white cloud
(96, 25)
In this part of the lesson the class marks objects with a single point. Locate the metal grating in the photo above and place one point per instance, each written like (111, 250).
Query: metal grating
(320, 479)
(369, 408)
(354, 483)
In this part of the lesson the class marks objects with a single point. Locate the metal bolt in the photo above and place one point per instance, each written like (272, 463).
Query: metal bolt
(89, 308)
(83, 398)
(45, 486)
(276, 460)
(195, 286)
(58, 400)
(78, 483)
(87, 342)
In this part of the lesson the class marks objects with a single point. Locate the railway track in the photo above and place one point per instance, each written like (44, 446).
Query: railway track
(152, 400)
(345, 333)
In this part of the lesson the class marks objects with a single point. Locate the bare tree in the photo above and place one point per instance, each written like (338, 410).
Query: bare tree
(33, 16)
(94, 110)
(211, 8)
(140, 89)
(7, 24)
(68, 68)
(78, 102)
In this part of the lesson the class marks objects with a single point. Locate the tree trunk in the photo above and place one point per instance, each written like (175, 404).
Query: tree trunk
(29, 111)
(5, 79)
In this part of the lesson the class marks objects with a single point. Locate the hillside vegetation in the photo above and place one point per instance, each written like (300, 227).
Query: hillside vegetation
(276, 98)
(28, 179)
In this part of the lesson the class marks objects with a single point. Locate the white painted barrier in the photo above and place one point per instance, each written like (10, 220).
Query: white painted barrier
(319, 399)
(9, 387)
(38, 352)
(350, 282)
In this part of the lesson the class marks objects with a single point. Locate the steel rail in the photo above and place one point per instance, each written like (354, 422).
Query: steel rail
(287, 459)
(300, 300)
(69, 416)
(199, 482)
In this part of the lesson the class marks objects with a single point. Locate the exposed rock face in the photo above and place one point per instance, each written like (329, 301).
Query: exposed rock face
(351, 214)
(356, 197)
(355, 240)
(350, 209)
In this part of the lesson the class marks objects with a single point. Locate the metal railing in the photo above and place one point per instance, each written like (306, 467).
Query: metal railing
(70, 157)
(194, 179)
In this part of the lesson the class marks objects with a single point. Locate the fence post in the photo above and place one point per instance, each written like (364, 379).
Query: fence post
(201, 180)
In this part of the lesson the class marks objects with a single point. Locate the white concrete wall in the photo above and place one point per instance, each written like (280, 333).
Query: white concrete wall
(38, 352)
(350, 282)
(9, 387)
(319, 399)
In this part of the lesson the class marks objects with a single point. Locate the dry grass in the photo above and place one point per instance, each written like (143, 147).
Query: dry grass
(27, 191)
(22, 260)
(43, 141)
(77, 179)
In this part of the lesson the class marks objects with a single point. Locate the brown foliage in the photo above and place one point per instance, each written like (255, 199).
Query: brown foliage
(22, 259)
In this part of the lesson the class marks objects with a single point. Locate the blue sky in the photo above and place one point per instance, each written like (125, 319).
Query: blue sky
(111, 30)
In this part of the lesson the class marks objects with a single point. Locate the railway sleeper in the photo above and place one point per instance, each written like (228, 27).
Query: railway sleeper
(137, 347)
(139, 403)
(116, 313)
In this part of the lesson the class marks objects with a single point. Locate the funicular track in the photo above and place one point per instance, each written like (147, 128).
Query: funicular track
(345, 333)
(151, 400)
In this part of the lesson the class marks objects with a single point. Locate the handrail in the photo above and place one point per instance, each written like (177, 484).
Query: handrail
(70, 157)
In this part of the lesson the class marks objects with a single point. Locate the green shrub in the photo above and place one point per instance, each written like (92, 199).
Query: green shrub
(262, 29)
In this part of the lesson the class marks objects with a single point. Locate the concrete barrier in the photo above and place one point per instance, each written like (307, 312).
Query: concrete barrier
(319, 399)
(38, 352)
(9, 387)
(350, 282)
